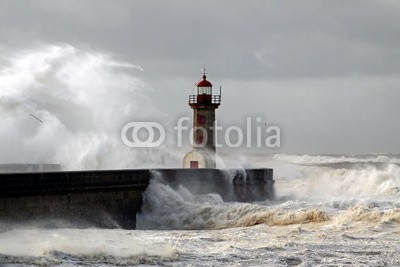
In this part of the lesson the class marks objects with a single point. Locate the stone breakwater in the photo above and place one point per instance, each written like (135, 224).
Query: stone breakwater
(112, 198)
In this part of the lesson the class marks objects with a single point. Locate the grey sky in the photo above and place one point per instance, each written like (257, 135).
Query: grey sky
(326, 72)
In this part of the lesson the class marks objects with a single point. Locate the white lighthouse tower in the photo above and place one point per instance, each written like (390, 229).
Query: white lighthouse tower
(204, 104)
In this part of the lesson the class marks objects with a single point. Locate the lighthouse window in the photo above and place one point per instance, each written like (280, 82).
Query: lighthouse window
(205, 90)
(201, 119)
(199, 137)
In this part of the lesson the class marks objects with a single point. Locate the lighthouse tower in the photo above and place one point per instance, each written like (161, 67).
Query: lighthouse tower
(204, 104)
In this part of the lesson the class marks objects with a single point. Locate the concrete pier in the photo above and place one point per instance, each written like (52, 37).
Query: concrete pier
(113, 198)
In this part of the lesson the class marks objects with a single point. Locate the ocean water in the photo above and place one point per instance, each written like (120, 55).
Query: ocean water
(329, 210)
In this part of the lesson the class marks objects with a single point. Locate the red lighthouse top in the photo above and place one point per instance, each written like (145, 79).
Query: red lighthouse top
(204, 95)
(204, 82)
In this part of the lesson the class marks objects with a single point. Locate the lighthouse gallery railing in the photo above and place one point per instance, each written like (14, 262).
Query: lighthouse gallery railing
(195, 99)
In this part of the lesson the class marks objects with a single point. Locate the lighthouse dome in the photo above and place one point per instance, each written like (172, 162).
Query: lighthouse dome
(204, 82)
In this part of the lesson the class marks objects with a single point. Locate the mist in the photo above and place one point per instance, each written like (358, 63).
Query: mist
(67, 106)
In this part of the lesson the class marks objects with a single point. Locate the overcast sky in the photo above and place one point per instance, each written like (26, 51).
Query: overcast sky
(326, 72)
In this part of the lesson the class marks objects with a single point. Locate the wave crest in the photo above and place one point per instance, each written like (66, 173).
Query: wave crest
(323, 160)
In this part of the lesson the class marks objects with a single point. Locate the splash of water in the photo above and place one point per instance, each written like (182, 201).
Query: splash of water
(166, 208)
(314, 195)
(354, 182)
(29, 247)
(64, 105)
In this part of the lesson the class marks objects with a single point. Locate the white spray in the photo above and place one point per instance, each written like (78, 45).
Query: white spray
(67, 106)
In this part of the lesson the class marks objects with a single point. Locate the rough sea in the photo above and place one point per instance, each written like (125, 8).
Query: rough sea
(330, 210)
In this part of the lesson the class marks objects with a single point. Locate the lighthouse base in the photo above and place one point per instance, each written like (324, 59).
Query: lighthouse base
(199, 159)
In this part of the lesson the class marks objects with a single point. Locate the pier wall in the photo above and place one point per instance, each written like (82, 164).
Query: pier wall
(113, 198)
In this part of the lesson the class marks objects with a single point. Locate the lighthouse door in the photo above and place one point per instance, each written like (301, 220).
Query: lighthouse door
(194, 164)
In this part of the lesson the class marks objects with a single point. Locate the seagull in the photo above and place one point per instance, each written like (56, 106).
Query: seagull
(36, 118)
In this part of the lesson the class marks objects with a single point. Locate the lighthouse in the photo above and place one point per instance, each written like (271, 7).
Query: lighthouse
(204, 104)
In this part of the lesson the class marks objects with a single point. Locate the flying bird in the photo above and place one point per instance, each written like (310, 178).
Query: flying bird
(33, 116)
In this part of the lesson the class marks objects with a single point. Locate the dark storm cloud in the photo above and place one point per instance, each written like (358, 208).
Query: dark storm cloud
(292, 51)
(243, 39)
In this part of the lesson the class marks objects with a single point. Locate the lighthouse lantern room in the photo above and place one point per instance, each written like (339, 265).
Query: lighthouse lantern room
(204, 104)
